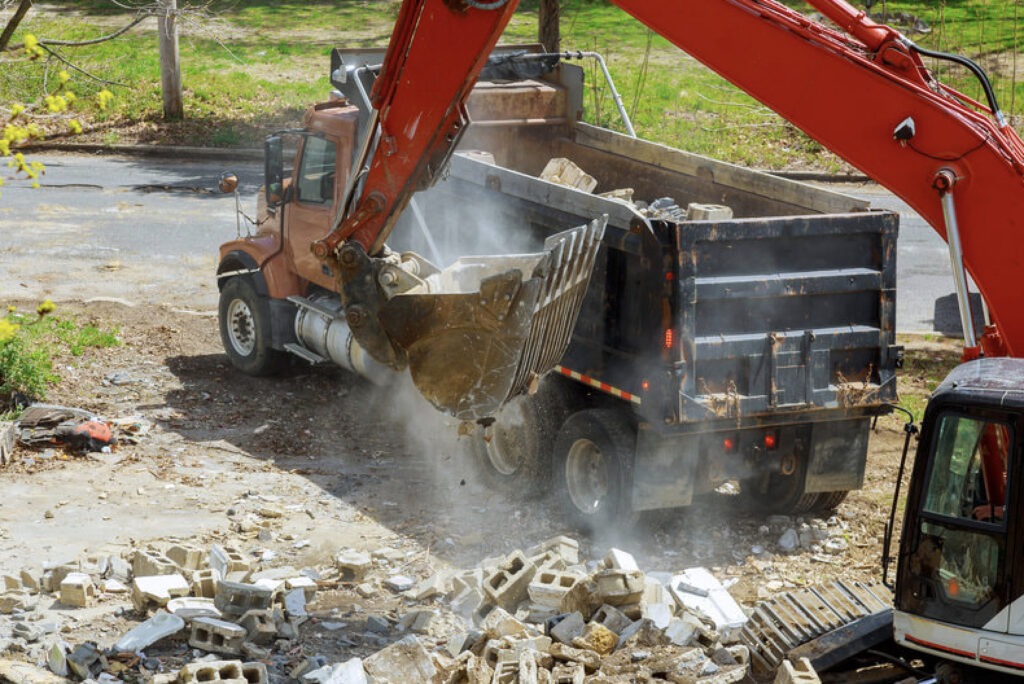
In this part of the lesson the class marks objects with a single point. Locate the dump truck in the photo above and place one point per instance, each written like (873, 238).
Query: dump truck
(726, 326)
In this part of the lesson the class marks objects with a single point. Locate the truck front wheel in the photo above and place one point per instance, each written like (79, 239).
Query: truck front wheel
(245, 329)
(594, 455)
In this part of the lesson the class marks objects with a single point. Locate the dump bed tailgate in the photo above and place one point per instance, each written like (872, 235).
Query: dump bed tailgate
(786, 314)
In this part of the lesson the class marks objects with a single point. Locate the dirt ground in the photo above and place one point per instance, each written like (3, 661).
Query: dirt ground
(294, 468)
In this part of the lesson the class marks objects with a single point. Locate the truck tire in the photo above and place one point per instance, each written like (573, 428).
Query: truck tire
(593, 466)
(512, 453)
(779, 494)
(245, 329)
(829, 501)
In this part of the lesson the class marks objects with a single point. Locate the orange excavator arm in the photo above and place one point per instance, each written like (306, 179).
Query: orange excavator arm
(861, 90)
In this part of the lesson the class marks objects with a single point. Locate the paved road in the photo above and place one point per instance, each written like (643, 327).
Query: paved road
(147, 230)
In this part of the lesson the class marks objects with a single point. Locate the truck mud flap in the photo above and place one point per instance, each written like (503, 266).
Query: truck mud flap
(481, 331)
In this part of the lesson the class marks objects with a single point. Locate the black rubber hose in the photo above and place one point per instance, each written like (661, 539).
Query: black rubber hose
(975, 68)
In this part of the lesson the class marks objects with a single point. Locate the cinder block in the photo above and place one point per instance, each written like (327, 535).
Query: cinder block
(500, 623)
(403, 661)
(549, 587)
(619, 587)
(186, 556)
(226, 671)
(77, 590)
(259, 626)
(217, 636)
(507, 586)
(506, 673)
(204, 583)
(148, 563)
(234, 599)
(612, 618)
(707, 212)
(227, 561)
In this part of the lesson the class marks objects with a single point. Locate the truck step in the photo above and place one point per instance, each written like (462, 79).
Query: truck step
(304, 353)
(782, 623)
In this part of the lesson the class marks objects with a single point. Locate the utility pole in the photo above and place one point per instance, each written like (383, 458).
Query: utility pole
(547, 29)
(170, 68)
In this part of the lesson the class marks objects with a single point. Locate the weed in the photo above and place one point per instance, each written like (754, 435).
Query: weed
(29, 344)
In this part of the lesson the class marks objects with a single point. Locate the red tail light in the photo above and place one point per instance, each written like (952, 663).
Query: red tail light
(729, 444)
(669, 338)
(771, 440)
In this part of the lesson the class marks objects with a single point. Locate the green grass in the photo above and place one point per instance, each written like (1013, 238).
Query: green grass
(252, 66)
(30, 343)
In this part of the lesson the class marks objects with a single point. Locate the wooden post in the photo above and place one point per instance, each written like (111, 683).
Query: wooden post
(170, 69)
(19, 14)
(547, 29)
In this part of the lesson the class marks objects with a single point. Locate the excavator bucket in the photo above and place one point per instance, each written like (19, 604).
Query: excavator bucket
(480, 331)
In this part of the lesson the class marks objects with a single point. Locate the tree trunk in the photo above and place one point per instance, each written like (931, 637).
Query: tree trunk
(547, 18)
(12, 25)
(170, 69)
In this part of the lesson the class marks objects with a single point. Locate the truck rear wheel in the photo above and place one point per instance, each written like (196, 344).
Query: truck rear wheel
(593, 462)
(245, 329)
(512, 452)
(779, 493)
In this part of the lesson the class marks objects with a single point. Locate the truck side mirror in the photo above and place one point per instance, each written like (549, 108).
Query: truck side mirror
(273, 170)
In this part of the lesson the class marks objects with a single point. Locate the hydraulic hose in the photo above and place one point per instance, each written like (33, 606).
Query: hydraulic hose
(975, 69)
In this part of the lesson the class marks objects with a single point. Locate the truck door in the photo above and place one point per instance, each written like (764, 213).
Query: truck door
(959, 558)
(311, 210)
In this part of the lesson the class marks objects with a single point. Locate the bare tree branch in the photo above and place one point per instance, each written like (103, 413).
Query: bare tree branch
(72, 65)
(76, 43)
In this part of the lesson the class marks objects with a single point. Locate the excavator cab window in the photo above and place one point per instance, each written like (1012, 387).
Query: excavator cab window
(315, 181)
(959, 562)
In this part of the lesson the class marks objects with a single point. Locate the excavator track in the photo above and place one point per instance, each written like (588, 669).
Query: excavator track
(781, 624)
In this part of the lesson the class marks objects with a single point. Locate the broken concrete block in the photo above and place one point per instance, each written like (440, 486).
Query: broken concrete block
(507, 586)
(549, 587)
(612, 618)
(81, 660)
(161, 625)
(295, 603)
(204, 583)
(54, 575)
(77, 589)
(467, 603)
(619, 587)
(500, 623)
(233, 671)
(217, 636)
(353, 564)
(307, 586)
(402, 662)
(598, 638)
(119, 569)
(435, 585)
(590, 660)
(10, 583)
(147, 563)
(234, 599)
(565, 172)
(157, 590)
(684, 630)
(17, 601)
(418, 621)
(399, 583)
(113, 586)
(28, 581)
(349, 672)
(801, 672)
(568, 673)
(568, 628)
(186, 556)
(707, 212)
(8, 430)
(658, 613)
(699, 590)
(190, 607)
(617, 559)
(259, 626)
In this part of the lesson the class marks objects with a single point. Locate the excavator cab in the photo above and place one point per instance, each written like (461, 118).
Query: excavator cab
(959, 594)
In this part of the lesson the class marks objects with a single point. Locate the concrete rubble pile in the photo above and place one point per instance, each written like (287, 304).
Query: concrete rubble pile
(539, 615)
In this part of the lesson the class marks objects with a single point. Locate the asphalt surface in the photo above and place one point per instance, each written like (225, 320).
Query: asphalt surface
(146, 229)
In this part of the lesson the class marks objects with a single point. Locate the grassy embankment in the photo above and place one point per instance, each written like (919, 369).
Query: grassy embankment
(252, 66)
